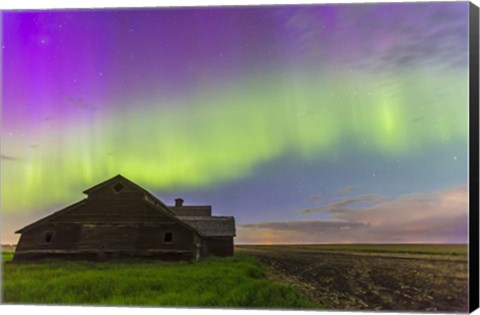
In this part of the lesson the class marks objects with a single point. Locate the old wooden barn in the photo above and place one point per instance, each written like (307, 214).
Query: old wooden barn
(119, 219)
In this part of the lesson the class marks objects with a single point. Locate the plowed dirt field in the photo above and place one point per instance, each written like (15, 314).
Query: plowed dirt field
(378, 277)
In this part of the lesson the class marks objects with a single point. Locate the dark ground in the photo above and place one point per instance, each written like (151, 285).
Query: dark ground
(376, 280)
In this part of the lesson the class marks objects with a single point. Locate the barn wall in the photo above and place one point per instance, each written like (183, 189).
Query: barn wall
(107, 192)
(151, 237)
(102, 241)
(113, 237)
(218, 246)
(111, 223)
(134, 210)
(64, 237)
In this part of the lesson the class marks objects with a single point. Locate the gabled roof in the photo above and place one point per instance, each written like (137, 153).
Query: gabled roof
(76, 205)
(120, 177)
(203, 225)
(51, 216)
(158, 204)
(211, 226)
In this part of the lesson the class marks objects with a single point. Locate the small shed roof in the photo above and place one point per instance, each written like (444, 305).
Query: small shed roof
(211, 226)
(191, 211)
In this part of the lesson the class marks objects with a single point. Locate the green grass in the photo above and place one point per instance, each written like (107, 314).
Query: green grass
(238, 281)
(7, 256)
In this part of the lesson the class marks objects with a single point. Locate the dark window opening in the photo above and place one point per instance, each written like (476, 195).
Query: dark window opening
(118, 187)
(168, 237)
(48, 237)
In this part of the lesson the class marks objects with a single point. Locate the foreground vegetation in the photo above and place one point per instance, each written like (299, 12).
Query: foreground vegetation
(394, 277)
(238, 281)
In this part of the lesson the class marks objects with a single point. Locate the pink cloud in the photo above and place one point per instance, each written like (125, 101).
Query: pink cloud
(439, 217)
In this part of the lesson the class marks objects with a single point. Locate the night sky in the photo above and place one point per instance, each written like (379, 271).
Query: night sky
(309, 124)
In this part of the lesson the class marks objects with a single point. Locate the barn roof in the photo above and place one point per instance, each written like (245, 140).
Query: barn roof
(197, 218)
(51, 216)
(211, 226)
(191, 211)
(117, 177)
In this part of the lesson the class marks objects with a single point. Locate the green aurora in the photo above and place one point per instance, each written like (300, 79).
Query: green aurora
(209, 143)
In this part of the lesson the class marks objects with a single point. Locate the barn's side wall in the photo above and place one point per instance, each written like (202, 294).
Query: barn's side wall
(109, 224)
(218, 246)
(64, 237)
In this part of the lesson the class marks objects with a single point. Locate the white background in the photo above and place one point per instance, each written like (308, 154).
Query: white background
(70, 310)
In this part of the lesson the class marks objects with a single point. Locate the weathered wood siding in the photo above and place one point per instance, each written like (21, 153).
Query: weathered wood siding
(111, 223)
(126, 211)
(64, 237)
(218, 246)
(107, 192)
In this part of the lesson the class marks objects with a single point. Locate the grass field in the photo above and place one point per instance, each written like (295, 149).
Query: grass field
(399, 277)
(238, 281)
